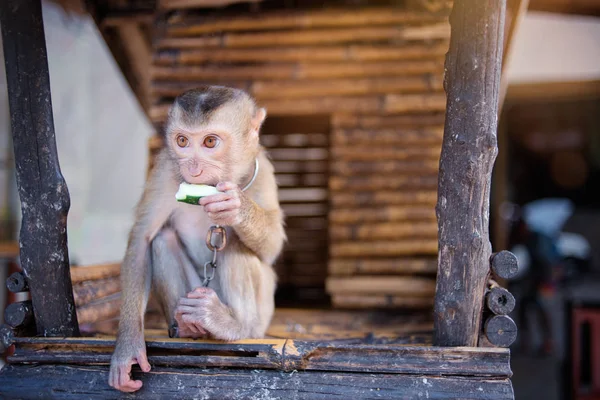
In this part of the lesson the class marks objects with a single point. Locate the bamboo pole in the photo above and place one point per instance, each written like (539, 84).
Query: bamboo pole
(395, 248)
(390, 266)
(377, 285)
(385, 198)
(310, 37)
(379, 182)
(316, 53)
(383, 230)
(382, 214)
(309, 19)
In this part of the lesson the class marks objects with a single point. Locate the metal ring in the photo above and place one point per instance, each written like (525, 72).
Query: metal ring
(219, 230)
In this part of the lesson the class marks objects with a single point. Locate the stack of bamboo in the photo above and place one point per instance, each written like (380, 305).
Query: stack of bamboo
(375, 74)
(382, 226)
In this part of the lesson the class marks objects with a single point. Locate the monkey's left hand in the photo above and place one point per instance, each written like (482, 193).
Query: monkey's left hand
(227, 208)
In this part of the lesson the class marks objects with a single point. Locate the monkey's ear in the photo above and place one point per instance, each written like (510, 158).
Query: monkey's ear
(258, 120)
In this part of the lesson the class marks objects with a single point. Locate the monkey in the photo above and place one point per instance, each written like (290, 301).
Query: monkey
(211, 138)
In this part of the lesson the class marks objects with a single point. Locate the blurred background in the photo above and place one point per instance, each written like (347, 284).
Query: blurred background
(336, 77)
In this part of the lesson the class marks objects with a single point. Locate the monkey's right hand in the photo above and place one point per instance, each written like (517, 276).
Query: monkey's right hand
(128, 351)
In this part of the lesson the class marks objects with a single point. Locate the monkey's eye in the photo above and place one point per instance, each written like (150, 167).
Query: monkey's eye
(182, 141)
(210, 141)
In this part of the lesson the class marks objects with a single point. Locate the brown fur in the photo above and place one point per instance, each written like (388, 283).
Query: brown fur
(166, 249)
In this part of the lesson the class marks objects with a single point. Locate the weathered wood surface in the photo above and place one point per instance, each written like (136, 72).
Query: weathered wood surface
(19, 314)
(90, 382)
(283, 355)
(42, 189)
(345, 120)
(500, 301)
(505, 264)
(17, 282)
(500, 330)
(382, 214)
(469, 149)
(383, 230)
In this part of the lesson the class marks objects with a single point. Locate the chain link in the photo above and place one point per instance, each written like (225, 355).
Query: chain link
(215, 247)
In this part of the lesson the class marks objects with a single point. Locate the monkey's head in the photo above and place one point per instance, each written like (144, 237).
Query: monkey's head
(212, 133)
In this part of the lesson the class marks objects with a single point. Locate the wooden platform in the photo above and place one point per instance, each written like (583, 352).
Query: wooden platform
(309, 354)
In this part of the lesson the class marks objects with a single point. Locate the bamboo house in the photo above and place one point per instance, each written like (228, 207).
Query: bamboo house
(381, 126)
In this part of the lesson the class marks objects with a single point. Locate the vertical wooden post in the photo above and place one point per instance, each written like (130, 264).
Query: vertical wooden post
(469, 149)
(42, 189)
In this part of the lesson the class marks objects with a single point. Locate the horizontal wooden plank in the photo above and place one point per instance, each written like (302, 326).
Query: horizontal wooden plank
(408, 286)
(380, 248)
(301, 154)
(183, 4)
(383, 182)
(300, 71)
(295, 140)
(359, 52)
(90, 382)
(301, 37)
(306, 209)
(382, 214)
(283, 355)
(336, 87)
(309, 194)
(383, 230)
(380, 153)
(385, 167)
(390, 266)
(382, 198)
(402, 136)
(414, 120)
(89, 291)
(301, 19)
(296, 180)
(285, 166)
(372, 301)
(94, 272)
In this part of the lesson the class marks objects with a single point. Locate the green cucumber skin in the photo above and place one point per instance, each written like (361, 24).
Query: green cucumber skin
(191, 200)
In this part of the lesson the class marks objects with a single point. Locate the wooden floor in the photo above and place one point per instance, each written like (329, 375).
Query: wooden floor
(314, 324)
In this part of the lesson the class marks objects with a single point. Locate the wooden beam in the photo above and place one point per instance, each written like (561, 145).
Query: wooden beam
(516, 10)
(42, 189)
(139, 56)
(553, 91)
(72, 381)
(174, 4)
(468, 152)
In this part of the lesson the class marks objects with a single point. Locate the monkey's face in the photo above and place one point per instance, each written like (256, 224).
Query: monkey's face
(202, 154)
(213, 135)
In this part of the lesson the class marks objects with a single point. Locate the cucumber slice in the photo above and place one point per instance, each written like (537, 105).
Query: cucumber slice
(191, 194)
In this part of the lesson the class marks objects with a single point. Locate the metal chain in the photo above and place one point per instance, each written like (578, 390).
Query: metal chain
(214, 246)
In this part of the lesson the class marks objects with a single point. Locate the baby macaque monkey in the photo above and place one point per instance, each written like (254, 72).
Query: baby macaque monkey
(212, 138)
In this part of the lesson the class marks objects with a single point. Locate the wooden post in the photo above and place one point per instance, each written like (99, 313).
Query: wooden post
(469, 149)
(42, 189)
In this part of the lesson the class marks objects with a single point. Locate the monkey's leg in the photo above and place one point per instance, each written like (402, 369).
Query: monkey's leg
(244, 309)
(171, 276)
